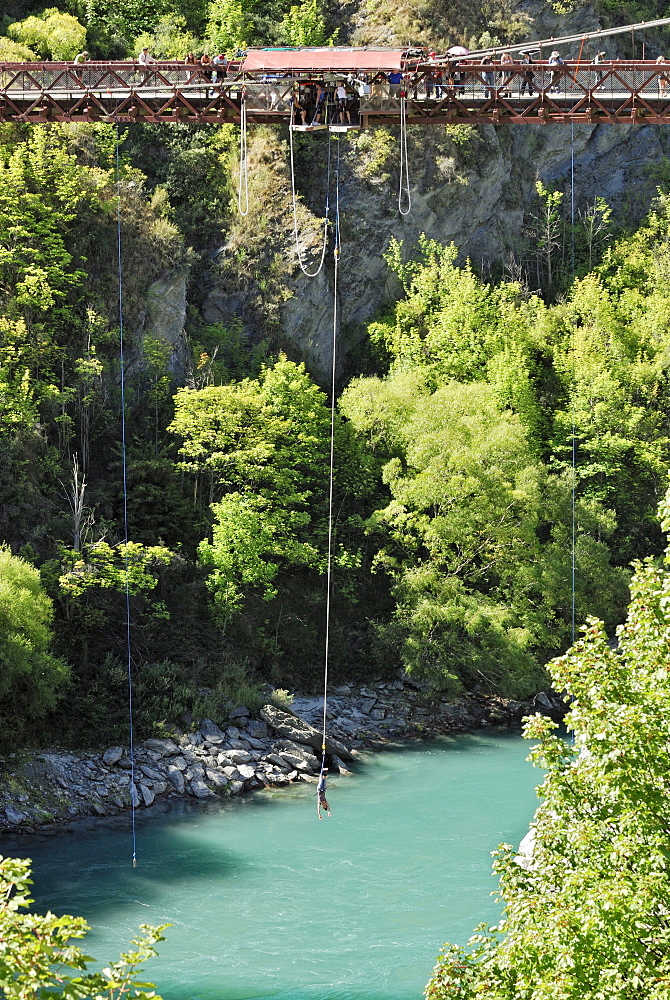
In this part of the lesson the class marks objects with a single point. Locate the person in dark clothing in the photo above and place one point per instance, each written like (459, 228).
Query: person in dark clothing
(321, 801)
(528, 75)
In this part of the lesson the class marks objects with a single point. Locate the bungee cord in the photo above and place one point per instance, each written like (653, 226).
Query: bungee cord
(572, 408)
(321, 787)
(124, 463)
(243, 184)
(404, 194)
(306, 271)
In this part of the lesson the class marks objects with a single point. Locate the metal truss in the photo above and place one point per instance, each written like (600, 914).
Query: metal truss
(437, 93)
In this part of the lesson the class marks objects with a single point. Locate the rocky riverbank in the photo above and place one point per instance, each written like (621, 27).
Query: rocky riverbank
(46, 789)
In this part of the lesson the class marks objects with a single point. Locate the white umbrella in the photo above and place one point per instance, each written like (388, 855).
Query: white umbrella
(458, 50)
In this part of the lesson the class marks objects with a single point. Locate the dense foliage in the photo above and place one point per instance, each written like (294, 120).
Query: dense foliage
(587, 908)
(38, 957)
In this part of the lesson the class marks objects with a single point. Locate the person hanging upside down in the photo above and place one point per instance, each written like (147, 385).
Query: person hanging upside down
(321, 794)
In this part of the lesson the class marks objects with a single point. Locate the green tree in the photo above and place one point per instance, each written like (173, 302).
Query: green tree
(304, 24)
(586, 911)
(52, 34)
(38, 957)
(229, 25)
(31, 679)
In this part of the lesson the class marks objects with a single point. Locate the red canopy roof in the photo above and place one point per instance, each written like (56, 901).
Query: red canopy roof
(325, 59)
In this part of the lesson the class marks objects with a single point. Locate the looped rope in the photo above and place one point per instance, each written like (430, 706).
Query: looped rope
(305, 271)
(243, 185)
(403, 185)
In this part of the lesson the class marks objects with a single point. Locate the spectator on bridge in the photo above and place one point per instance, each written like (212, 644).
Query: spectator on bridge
(191, 59)
(145, 58)
(80, 58)
(555, 83)
(528, 75)
(597, 60)
(299, 109)
(319, 104)
(342, 103)
(395, 83)
(489, 77)
(220, 64)
(662, 79)
(506, 60)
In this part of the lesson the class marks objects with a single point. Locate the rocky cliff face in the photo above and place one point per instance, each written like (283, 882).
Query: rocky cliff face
(474, 187)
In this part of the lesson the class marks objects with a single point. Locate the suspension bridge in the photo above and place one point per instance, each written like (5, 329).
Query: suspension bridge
(266, 85)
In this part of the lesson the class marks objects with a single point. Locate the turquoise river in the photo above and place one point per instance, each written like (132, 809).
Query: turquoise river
(267, 902)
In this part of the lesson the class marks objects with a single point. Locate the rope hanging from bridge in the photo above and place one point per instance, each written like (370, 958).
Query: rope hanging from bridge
(321, 801)
(124, 465)
(404, 194)
(305, 270)
(243, 186)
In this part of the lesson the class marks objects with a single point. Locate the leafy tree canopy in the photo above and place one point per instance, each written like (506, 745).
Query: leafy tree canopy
(586, 911)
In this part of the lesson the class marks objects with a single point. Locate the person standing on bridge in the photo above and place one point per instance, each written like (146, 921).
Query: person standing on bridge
(662, 79)
(79, 59)
(555, 60)
(597, 60)
(528, 75)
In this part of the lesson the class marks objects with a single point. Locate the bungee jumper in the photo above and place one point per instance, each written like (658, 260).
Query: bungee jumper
(321, 800)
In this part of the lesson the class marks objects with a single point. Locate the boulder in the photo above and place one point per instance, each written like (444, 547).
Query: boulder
(200, 790)
(13, 816)
(176, 779)
(180, 763)
(231, 773)
(211, 732)
(164, 748)
(151, 773)
(339, 765)
(246, 772)
(112, 756)
(377, 714)
(241, 712)
(236, 787)
(147, 795)
(301, 732)
(239, 756)
(134, 796)
(216, 778)
(257, 729)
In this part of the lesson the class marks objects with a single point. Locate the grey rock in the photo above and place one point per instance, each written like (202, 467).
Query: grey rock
(13, 816)
(377, 714)
(151, 773)
(257, 729)
(274, 758)
(255, 744)
(339, 765)
(231, 773)
(301, 732)
(232, 733)
(164, 748)
(223, 760)
(176, 779)
(543, 700)
(239, 756)
(196, 739)
(180, 763)
(296, 762)
(216, 778)
(210, 731)
(246, 771)
(367, 704)
(134, 796)
(236, 787)
(112, 756)
(200, 790)
(147, 794)
(160, 787)
(98, 808)
(241, 712)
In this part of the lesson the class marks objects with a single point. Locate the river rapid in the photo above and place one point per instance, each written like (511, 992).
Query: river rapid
(267, 902)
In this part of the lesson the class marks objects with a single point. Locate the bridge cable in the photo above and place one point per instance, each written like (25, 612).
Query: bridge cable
(403, 184)
(329, 566)
(243, 184)
(308, 273)
(124, 462)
